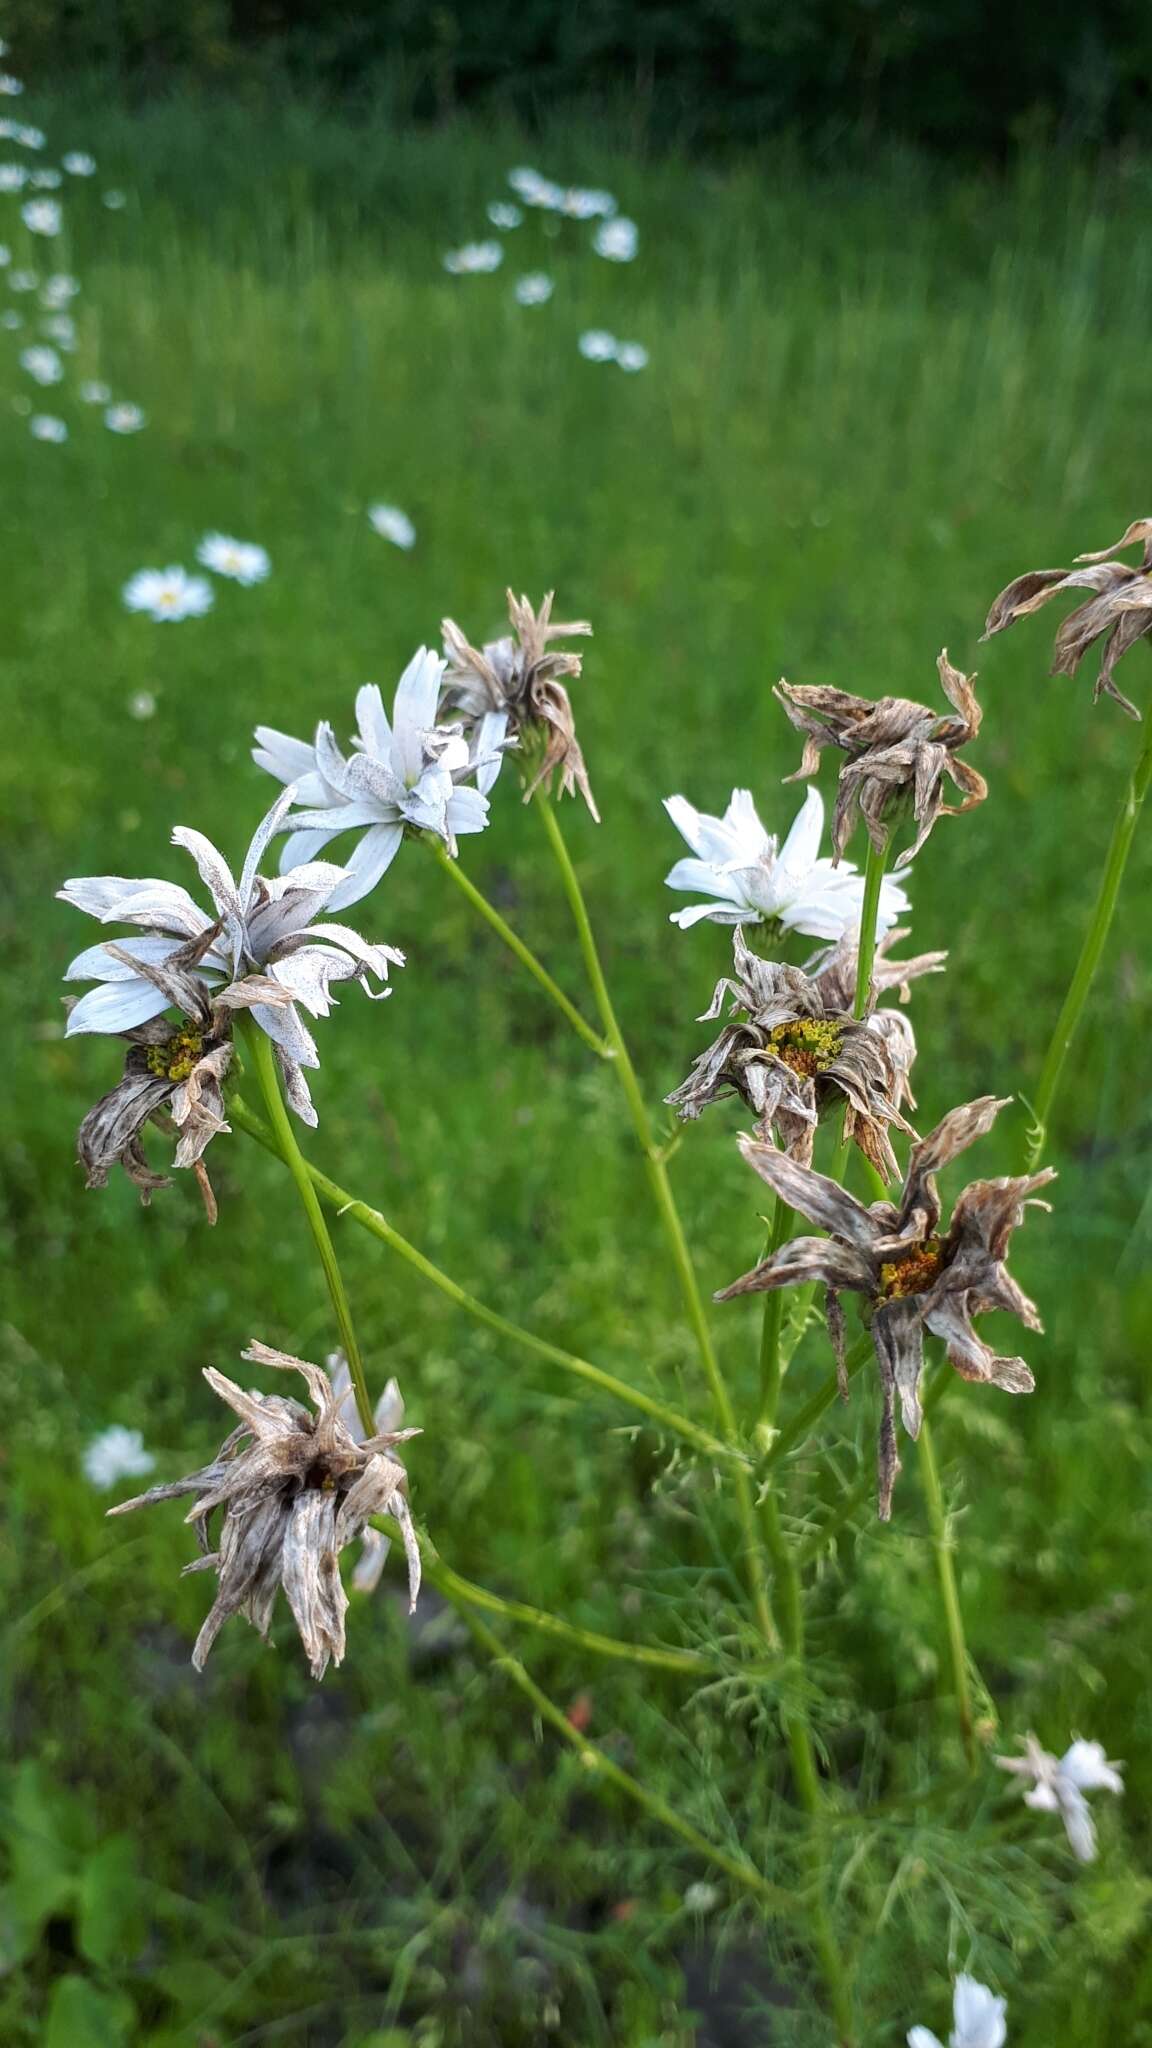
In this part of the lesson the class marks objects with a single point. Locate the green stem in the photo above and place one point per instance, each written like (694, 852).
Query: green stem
(665, 1204)
(865, 957)
(523, 953)
(949, 1592)
(345, 1204)
(602, 1766)
(817, 1404)
(258, 1046)
(1068, 1022)
(771, 1372)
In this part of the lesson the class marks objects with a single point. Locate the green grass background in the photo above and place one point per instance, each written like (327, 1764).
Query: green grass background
(875, 394)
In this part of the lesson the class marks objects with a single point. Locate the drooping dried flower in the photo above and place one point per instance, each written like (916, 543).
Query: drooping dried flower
(978, 2019)
(835, 969)
(790, 1058)
(1059, 1784)
(387, 1420)
(912, 1277)
(294, 1488)
(1119, 611)
(898, 754)
(516, 686)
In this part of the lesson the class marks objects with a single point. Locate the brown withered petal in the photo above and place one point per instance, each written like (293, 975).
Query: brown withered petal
(1118, 611)
(912, 1278)
(834, 969)
(789, 1058)
(294, 1489)
(898, 753)
(522, 677)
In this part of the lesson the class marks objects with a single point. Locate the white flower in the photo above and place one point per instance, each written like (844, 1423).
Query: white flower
(5, 255)
(23, 280)
(392, 524)
(42, 364)
(78, 163)
(42, 216)
(32, 138)
(10, 88)
(617, 239)
(61, 329)
(754, 879)
(535, 288)
(46, 181)
(116, 1454)
(702, 1898)
(125, 419)
(401, 773)
(142, 705)
(535, 190)
(583, 202)
(631, 355)
(1059, 1784)
(261, 949)
(977, 2019)
(45, 428)
(503, 215)
(474, 256)
(13, 177)
(243, 560)
(598, 345)
(115, 200)
(94, 393)
(59, 290)
(168, 593)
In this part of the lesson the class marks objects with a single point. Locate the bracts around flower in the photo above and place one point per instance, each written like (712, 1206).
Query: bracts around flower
(911, 1276)
(294, 1489)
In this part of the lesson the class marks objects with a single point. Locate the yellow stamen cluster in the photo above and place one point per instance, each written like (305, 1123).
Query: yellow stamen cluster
(913, 1272)
(175, 1059)
(808, 1046)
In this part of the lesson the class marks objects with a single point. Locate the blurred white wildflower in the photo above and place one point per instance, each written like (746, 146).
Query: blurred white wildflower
(60, 328)
(46, 428)
(11, 320)
(115, 200)
(13, 177)
(243, 560)
(116, 1454)
(534, 189)
(474, 257)
(535, 288)
(125, 419)
(631, 355)
(5, 255)
(583, 202)
(597, 345)
(392, 524)
(142, 704)
(42, 364)
(504, 215)
(31, 138)
(59, 291)
(702, 1898)
(977, 2019)
(168, 593)
(1059, 1784)
(78, 163)
(23, 280)
(42, 216)
(10, 88)
(46, 180)
(94, 393)
(617, 239)
(752, 878)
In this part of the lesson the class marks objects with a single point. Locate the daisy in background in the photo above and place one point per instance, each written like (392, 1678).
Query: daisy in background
(1059, 1784)
(59, 291)
(115, 201)
(44, 427)
(13, 177)
(631, 355)
(116, 1454)
(752, 878)
(392, 524)
(47, 180)
(12, 321)
(596, 345)
(94, 393)
(5, 255)
(534, 289)
(617, 239)
(168, 593)
(78, 163)
(125, 419)
(243, 560)
(60, 328)
(977, 2019)
(10, 88)
(23, 280)
(42, 364)
(474, 258)
(42, 216)
(503, 215)
(31, 138)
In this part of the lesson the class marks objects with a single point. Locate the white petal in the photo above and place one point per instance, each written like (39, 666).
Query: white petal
(923, 2037)
(287, 1031)
(801, 849)
(1086, 1765)
(116, 1006)
(115, 899)
(282, 756)
(372, 859)
(377, 959)
(467, 811)
(702, 874)
(488, 748)
(372, 721)
(1079, 1825)
(97, 964)
(214, 871)
(414, 711)
(695, 913)
(261, 839)
(304, 846)
(978, 2015)
(307, 973)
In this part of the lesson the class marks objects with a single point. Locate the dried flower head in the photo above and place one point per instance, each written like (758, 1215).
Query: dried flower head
(835, 969)
(790, 1058)
(898, 754)
(516, 685)
(294, 1489)
(1059, 1784)
(912, 1276)
(1119, 611)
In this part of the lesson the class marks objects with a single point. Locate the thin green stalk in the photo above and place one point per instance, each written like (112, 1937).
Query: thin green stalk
(865, 958)
(258, 1046)
(523, 953)
(602, 1766)
(345, 1204)
(665, 1204)
(771, 1372)
(1068, 1022)
(949, 1592)
(817, 1404)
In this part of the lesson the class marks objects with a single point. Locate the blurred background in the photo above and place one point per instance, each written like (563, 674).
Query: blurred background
(889, 304)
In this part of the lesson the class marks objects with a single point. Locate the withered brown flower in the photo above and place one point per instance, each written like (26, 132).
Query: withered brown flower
(516, 685)
(294, 1488)
(912, 1277)
(834, 969)
(1119, 611)
(898, 753)
(789, 1057)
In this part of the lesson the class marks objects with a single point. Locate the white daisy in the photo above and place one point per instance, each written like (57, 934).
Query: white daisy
(46, 180)
(536, 190)
(94, 393)
(582, 202)
(503, 215)
(631, 355)
(13, 177)
(10, 88)
(535, 288)
(32, 138)
(116, 1454)
(42, 364)
(474, 257)
(597, 345)
(78, 163)
(1059, 1784)
(59, 291)
(115, 200)
(42, 216)
(753, 879)
(243, 560)
(403, 772)
(61, 329)
(5, 255)
(142, 704)
(23, 280)
(977, 2019)
(45, 428)
(617, 239)
(125, 419)
(392, 524)
(168, 593)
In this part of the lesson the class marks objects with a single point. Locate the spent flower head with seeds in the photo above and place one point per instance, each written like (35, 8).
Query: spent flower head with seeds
(407, 773)
(752, 879)
(1118, 612)
(913, 1277)
(294, 1488)
(791, 1059)
(978, 2019)
(898, 754)
(514, 688)
(1058, 1785)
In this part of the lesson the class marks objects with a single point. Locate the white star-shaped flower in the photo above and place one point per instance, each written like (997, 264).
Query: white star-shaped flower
(753, 879)
(169, 594)
(242, 560)
(977, 2019)
(1059, 1784)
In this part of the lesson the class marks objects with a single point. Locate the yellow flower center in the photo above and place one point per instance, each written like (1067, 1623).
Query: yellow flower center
(913, 1272)
(175, 1059)
(808, 1046)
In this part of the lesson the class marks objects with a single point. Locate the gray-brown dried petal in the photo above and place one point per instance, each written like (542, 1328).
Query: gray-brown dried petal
(1118, 612)
(523, 676)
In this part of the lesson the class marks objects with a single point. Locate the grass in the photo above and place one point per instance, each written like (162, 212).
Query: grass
(872, 398)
